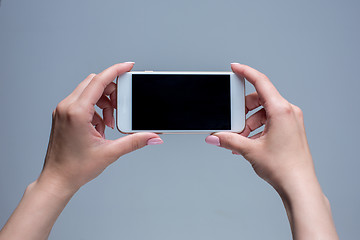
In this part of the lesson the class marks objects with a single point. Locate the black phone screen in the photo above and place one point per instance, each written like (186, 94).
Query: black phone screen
(181, 102)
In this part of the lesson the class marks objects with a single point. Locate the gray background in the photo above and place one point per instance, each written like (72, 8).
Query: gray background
(183, 189)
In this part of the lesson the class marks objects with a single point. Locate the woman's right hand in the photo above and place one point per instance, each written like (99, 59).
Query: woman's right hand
(280, 155)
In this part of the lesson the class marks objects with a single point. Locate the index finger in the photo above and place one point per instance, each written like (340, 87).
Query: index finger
(96, 87)
(265, 89)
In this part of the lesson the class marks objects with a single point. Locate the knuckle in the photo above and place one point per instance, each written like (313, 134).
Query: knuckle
(245, 71)
(60, 109)
(135, 144)
(68, 112)
(263, 76)
(299, 113)
(284, 109)
(74, 112)
(226, 140)
(53, 114)
(263, 120)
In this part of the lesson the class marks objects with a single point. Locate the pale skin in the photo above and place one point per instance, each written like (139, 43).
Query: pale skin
(78, 152)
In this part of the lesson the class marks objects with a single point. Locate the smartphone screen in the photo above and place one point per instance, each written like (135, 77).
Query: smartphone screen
(181, 102)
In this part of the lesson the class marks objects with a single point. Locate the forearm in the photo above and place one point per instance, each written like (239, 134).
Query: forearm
(36, 213)
(308, 209)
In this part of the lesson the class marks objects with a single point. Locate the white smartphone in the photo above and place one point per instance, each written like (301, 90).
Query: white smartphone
(180, 102)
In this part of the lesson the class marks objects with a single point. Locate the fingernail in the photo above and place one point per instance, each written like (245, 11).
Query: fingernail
(234, 63)
(236, 153)
(155, 141)
(130, 62)
(213, 140)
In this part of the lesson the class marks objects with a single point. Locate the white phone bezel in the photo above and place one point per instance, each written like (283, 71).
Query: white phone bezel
(124, 102)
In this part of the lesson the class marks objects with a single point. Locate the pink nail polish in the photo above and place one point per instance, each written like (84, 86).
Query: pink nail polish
(155, 141)
(213, 140)
(236, 153)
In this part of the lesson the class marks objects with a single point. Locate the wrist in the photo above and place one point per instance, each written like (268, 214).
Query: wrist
(301, 190)
(296, 184)
(289, 180)
(54, 185)
(40, 206)
(307, 208)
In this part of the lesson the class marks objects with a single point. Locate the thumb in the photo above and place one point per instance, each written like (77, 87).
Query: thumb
(127, 144)
(232, 141)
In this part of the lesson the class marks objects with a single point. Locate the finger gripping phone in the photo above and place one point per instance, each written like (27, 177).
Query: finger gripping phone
(180, 102)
